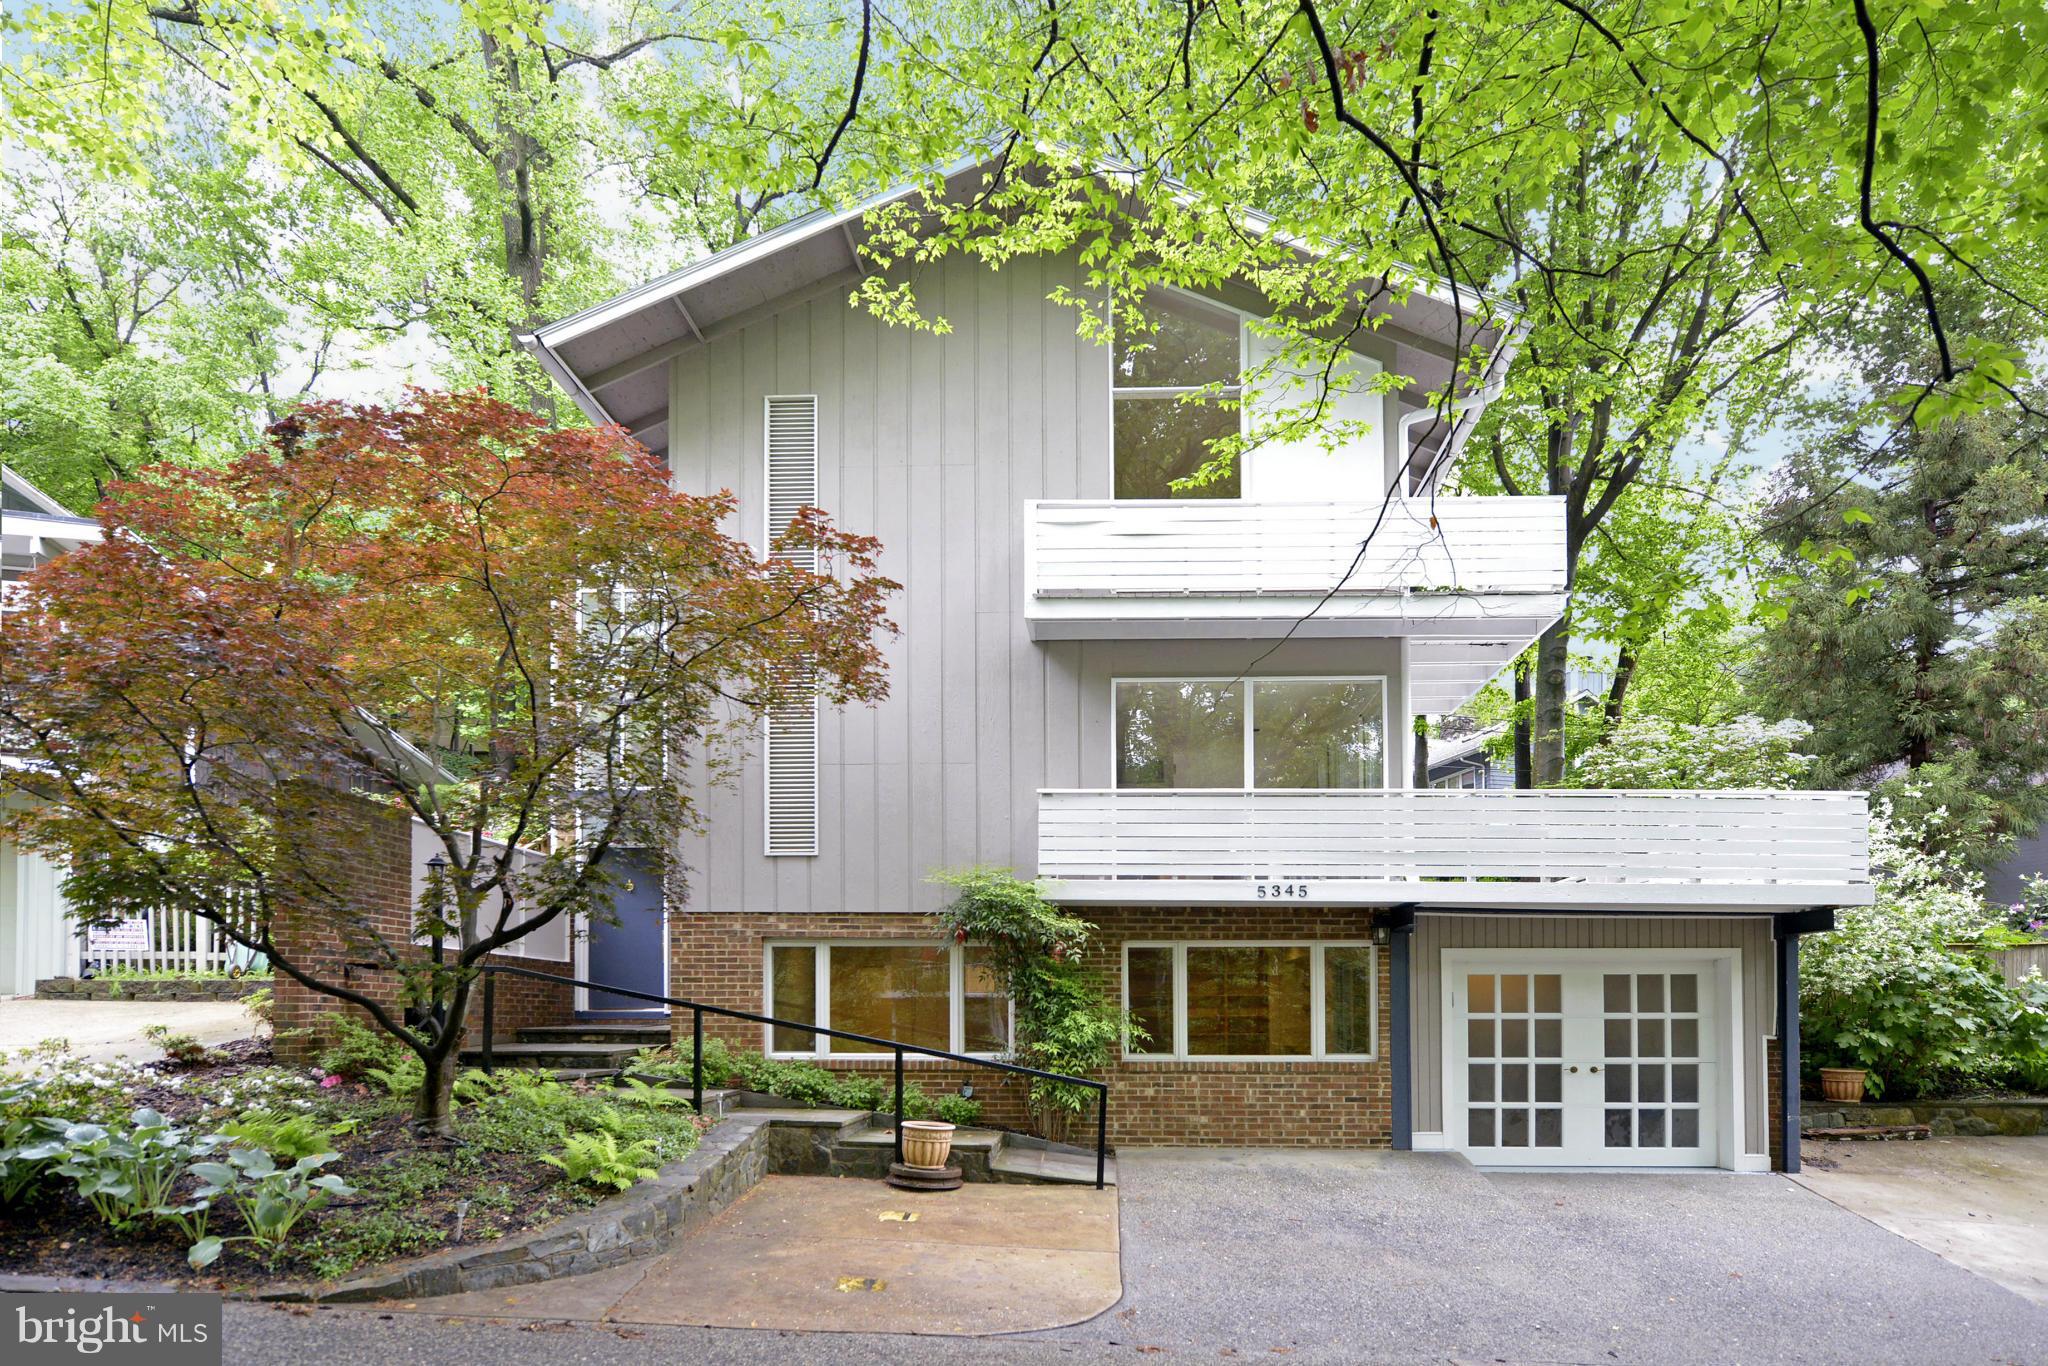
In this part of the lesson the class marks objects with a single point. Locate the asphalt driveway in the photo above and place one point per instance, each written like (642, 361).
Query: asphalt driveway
(1373, 1257)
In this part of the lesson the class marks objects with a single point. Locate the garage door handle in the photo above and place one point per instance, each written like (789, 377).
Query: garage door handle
(1594, 1068)
(1573, 1068)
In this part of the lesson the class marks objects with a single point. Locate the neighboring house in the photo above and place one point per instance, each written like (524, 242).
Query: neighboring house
(1465, 764)
(1111, 688)
(36, 940)
(2005, 882)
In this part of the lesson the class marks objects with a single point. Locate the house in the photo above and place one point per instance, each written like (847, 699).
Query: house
(1466, 762)
(1134, 697)
(36, 940)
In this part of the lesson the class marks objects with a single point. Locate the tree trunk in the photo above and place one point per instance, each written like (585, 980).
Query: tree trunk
(1553, 651)
(1624, 670)
(1421, 778)
(433, 1110)
(1524, 777)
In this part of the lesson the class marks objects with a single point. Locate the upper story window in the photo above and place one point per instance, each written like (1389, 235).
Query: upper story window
(1159, 437)
(1260, 732)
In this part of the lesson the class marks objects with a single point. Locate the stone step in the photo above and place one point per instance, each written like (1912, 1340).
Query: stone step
(595, 1031)
(598, 1057)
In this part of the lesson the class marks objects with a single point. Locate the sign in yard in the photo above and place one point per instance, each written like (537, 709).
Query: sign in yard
(119, 937)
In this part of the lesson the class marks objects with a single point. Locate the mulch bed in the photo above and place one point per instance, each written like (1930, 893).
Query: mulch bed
(61, 1236)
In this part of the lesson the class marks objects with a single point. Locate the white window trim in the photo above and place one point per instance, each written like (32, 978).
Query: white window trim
(956, 988)
(1316, 1053)
(1248, 768)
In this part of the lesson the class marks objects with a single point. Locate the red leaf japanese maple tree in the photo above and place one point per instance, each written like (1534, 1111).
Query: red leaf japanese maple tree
(518, 635)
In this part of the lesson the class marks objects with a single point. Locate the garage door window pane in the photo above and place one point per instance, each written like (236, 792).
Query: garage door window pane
(1150, 989)
(893, 991)
(1180, 734)
(1248, 1002)
(793, 995)
(1347, 1000)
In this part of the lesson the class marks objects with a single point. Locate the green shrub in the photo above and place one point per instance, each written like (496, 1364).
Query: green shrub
(1890, 991)
(957, 1110)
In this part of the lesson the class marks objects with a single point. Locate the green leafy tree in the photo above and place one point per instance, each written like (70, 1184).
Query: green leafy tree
(487, 165)
(1909, 618)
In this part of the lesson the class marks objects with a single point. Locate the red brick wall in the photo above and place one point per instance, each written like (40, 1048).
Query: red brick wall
(373, 856)
(717, 959)
(373, 847)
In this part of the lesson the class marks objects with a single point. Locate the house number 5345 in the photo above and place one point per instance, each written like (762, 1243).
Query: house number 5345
(1292, 891)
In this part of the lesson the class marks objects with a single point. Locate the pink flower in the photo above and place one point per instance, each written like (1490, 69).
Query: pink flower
(329, 1080)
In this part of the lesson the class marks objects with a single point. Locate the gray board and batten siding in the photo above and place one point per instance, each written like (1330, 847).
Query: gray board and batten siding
(933, 443)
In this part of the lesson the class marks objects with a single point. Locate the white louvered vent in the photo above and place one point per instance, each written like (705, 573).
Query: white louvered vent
(792, 464)
(791, 751)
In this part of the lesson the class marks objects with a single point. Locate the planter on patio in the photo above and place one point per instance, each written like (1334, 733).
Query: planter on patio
(926, 1143)
(1842, 1083)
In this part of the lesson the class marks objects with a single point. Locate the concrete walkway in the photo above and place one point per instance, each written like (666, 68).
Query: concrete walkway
(830, 1254)
(113, 1029)
(1980, 1202)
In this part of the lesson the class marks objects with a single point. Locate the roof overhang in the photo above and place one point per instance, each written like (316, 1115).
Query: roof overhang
(612, 359)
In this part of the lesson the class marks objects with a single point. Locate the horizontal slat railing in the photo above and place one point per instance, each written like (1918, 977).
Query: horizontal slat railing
(1610, 838)
(1191, 548)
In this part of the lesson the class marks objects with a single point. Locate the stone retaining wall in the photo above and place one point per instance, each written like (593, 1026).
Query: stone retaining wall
(149, 988)
(727, 1163)
(1973, 1117)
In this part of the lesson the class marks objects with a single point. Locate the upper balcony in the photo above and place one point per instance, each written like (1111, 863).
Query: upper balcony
(1635, 850)
(1469, 581)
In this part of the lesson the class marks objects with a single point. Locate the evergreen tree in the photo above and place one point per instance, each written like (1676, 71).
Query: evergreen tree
(1909, 619)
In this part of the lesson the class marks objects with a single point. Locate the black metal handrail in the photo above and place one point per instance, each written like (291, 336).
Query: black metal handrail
(699, 1009)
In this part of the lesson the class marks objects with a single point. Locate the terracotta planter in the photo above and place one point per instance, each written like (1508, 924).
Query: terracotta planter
(926, 1143)
(1842, 1084)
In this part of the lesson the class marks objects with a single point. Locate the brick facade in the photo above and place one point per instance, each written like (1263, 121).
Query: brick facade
(718, 959)
(373, 856)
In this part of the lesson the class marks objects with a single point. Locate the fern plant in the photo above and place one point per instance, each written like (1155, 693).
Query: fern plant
(600, 1160)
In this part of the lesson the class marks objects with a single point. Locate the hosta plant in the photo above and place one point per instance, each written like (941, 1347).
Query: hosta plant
(271, 1199)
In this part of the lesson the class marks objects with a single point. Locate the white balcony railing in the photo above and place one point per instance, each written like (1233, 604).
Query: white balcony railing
(1456, 848)
(1228, 548)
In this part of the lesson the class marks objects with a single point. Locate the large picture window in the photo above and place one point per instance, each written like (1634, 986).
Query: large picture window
(1160, 435)
(936, 995)
(1251, 1002)
(1261, 732)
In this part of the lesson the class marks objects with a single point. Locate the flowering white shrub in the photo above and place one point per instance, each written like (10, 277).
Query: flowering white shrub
(1656, 752)
(1890, 991)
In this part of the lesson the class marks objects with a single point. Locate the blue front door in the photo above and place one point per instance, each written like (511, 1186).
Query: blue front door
(629, 953)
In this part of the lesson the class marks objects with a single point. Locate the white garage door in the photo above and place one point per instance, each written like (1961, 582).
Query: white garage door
(1605, 1062)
